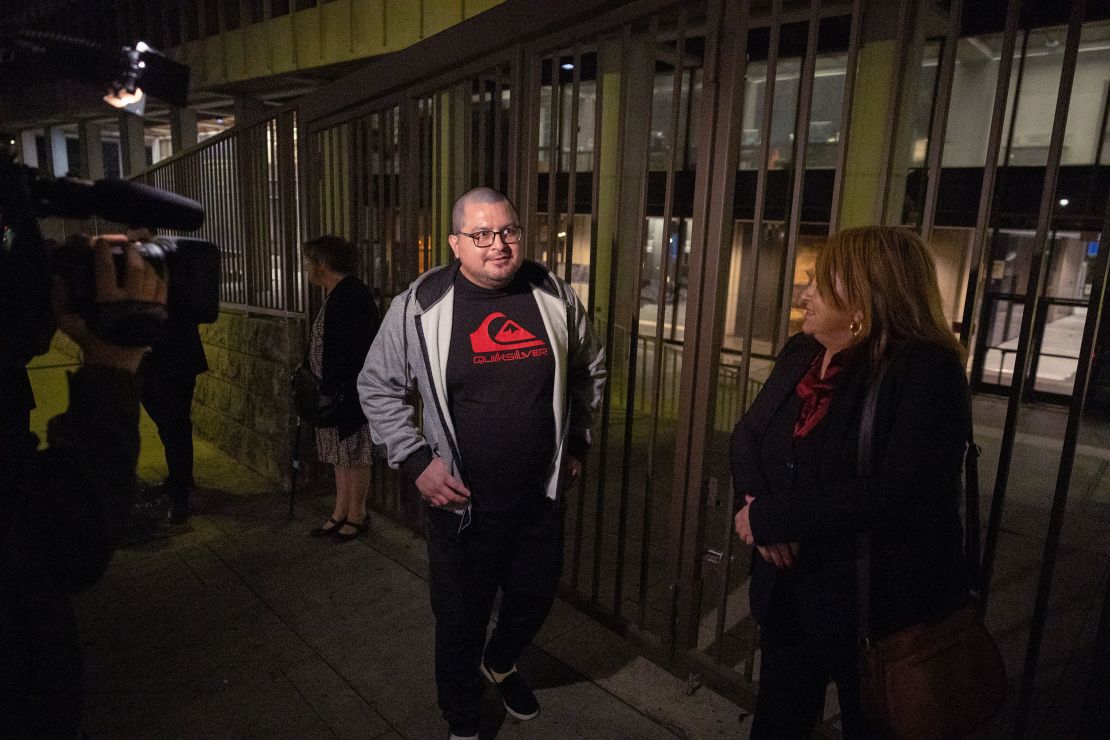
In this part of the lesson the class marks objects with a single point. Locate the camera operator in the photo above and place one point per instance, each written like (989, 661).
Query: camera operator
(62, 508)
(167, 381)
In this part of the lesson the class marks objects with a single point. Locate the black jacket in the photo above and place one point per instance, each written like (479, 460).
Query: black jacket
(910, 504)
(177, 350)
(351, 321)
(61, 514)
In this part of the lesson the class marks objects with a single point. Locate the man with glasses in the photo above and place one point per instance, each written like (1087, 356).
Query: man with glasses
(505, 360)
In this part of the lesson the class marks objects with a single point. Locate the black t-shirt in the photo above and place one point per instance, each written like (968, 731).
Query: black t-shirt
(500, 381)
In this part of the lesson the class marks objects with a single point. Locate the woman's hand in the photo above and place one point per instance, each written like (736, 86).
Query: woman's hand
(743, 521)
(780, 554)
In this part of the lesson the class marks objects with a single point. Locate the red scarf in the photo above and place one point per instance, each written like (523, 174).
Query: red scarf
(816, 392)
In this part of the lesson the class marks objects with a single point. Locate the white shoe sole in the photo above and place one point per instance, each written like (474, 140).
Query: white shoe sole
(489, 675)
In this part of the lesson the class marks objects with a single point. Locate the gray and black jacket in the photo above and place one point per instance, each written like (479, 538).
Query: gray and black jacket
(411, 350)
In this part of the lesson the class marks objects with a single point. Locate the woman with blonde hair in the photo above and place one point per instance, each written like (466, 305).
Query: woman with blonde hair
(872, 316)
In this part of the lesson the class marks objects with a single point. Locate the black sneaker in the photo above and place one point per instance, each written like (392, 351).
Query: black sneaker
(518, 698)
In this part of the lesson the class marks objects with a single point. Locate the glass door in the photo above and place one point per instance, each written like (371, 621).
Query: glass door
(1058, 325)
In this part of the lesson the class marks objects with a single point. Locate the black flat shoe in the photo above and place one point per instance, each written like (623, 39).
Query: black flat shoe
(359, 529)
(325, 530)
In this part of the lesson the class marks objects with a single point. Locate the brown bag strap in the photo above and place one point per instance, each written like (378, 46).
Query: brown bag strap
(865, 467)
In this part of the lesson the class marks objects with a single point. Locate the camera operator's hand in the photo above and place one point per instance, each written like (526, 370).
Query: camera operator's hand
(141, 284)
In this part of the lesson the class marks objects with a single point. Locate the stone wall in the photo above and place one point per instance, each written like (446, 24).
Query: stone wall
(242, 404)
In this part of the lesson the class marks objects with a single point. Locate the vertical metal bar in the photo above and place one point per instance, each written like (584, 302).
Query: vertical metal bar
(907, 10)
(610, 329)
(633, 352)
(1063, 478)
(227, 195)
(258, 197)
(845, 118)
(425, 177)
(572, 165)
(801, 149)
(234, 208)
(441, 161)
(357, 169)
(481, 151)
(272, 242)
(381, 219)
(289, 209)
(522, 87)
(591, 305)
(751, 263)
(661, 303)
(555, 145)
(990, 168)
(495, 107)
(939, 124)
(1037, 270)
(726, 53)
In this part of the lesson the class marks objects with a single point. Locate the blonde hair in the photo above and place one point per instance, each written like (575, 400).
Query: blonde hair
(888, 276)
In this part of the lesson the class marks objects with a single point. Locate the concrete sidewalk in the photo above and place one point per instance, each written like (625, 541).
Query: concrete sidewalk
(238, 624)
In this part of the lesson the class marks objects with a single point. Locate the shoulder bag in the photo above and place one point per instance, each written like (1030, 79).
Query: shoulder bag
(316, 403)
(934, 679)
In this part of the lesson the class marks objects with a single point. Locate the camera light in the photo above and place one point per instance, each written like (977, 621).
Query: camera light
(132, 102)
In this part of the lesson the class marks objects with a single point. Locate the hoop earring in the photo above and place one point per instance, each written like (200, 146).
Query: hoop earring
(855, 327)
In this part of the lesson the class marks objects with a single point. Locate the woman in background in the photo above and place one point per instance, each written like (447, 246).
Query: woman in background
(341, 336)
(801, 501)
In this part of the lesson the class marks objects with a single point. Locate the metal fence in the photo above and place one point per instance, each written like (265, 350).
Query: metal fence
(666, 162)
(248, 182)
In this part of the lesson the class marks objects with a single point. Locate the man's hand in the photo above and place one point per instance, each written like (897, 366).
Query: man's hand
(438, 487)
(140, 284)
(780, 554)
(571, 472)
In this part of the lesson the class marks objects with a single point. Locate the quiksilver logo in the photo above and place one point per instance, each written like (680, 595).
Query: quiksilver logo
(500, 339)
(516, 354)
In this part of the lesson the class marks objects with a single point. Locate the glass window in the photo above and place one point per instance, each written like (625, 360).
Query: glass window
(976, 74)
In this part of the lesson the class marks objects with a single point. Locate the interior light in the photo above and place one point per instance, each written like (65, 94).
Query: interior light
(142, 46)
(566, 66)
(1064, 201)
(220, 119)
(561, 234)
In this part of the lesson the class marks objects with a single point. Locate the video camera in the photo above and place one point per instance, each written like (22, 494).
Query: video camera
(190, 266)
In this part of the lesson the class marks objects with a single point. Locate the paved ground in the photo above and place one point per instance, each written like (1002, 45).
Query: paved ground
(239, 625)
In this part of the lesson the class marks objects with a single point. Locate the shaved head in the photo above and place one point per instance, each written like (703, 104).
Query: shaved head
(482, 195)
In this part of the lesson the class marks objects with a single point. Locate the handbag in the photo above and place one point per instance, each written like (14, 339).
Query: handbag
(941, 678)
(316, 403)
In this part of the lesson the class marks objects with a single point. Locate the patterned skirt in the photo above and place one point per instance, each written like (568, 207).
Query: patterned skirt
(351, 451)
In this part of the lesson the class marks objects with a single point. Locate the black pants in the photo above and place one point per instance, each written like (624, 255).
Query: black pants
(521, 556)
(796, 664)
(168, 398)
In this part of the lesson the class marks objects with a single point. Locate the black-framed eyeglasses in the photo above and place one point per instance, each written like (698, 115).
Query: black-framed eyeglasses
(484, 238)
